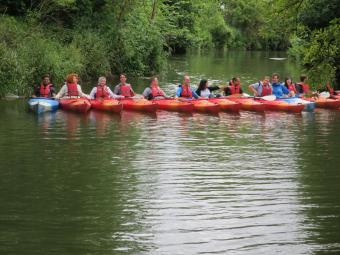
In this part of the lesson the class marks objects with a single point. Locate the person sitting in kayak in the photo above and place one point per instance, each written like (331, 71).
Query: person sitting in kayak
(45, 89)
(302, 87)
(71, 88)
(124, 89)
(184, 90)
(290, 85)
(278, 89)
(204, 90)
(102, 91)
(234, 87)
(154, 91)
(261, 88)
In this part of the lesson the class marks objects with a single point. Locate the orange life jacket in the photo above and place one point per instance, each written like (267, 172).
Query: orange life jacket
(291, 87)
(125, 90)
(186, 91)
(72, 89)
(156, 91)
(234, 89)
(102, 92)
(266, 90)
(44, 91)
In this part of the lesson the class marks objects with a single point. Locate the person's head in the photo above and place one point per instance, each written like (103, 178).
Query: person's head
(154, 81)
(236, 81)
(288, 81)
(102, 81)
(303, 78)
(265, 80)
(275, 78)
(186, 80)
(72, 78)
(45, 79)
(122, 78)
(203, 85)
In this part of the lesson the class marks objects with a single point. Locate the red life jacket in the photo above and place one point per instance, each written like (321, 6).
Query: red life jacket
(330, 89)
(102, 92)
(156, 91)
(44, 91)
(186, 91)
(125, 90)
(305, 88)
(72, 90)
(234, 89)
(266, 90)
(291, 87)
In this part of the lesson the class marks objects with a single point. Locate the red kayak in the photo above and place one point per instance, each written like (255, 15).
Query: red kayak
(282, 106)
(205, 106)
(142, 105)
(174, 105)
(249, 104)
(226, 105)
(322, 102)
(109, 105)
(75, 104)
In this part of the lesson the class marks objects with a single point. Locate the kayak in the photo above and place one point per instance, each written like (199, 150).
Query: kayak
(205, 106)
(174, 105)
(249, 104)
(109, 105)
(75, 104)
(308, 105)
(328, 103)
(279, 105)
(43, 104)
(226, 105)
(142, 105)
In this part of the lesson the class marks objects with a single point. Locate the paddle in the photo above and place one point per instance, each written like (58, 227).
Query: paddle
(266, 98)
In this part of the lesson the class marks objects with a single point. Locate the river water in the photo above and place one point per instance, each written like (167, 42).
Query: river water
(172, 183)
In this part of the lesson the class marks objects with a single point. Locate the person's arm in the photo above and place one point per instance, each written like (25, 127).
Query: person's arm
(253, 89)
(213, 88)
(81, 93)
(61, 92)
(52, 91)
(112, 95)
(178, 91)
(132, 92)
(194, 94)
(93, 93)
(146, 93)
(35, 91)
(116, 90)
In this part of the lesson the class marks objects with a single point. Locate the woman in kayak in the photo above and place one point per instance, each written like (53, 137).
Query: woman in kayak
(102, 91)
(184, 89)
(261, 88)
(234, 87)
(154, 91)
(124, 89)
(45, 89)
(290, 85)
(279, 90)
(71, 88)
(204, 90)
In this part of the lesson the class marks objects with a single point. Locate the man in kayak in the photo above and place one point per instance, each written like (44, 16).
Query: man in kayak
(302, 87)
(154, 91)
(45, 89)
(71, 88)
(280, 90)
(102, 91)
(184, 89)
(124, 89)
(261, 88)
(234, 87)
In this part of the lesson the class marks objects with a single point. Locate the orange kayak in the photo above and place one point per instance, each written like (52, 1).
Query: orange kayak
(75, 104)
(174, 105)
(226, 105)
(142, 105)
(249, 104)
(109, 105)
(282, 106)
(205, 106)
(325, 102)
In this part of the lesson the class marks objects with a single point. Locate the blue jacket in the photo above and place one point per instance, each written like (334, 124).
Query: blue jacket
(279, 90)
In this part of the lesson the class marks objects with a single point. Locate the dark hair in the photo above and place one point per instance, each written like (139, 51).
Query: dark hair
(303, 77)
(122, 74)
(202, 84)
(276, 74)
(286, 79)
(45, 76)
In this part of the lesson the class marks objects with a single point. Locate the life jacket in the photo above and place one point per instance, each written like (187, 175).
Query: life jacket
(186, 91)
(266, 90)
(125, 90)
(72, 89)
(234, 89)
(330, 89)
(44, 91)
(291, 87)
(302, 87)
(102, 92)
(156, 91)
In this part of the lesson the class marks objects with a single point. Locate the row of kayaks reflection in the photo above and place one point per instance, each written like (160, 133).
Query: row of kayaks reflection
(213, 105)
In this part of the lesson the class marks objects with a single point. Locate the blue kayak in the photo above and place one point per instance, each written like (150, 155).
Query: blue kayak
(309, 106)
(43, 104)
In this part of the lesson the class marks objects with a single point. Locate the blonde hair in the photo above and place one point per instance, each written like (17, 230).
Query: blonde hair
(101, 78)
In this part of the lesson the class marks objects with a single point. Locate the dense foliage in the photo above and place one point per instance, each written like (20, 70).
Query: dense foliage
(100, 37)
